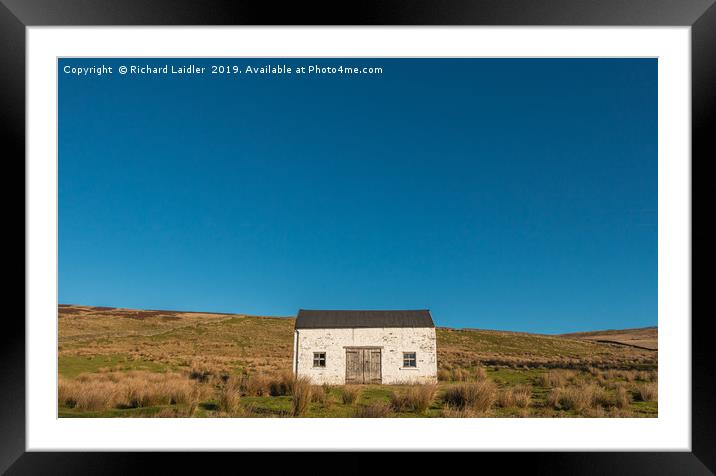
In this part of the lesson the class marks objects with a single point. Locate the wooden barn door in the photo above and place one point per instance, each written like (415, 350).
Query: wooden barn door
(371, 368)
(354, 365)
(363, 365)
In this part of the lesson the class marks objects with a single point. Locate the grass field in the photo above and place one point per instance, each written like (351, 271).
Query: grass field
(132, 363)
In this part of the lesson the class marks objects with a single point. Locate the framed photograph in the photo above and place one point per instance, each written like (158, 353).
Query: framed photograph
(404, 228)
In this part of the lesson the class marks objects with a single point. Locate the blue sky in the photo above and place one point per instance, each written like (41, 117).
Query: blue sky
(516, 194)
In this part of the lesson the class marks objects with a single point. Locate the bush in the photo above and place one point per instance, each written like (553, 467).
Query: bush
(350, 394)
(301, 395)
(374, 410)
(283, 385)
(200, 374)
(476, 396)
(415, 398)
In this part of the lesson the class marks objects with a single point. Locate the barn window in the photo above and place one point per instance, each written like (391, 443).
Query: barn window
(319, 359)
(409, 359)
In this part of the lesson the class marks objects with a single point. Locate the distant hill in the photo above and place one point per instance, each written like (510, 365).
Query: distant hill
(158, 339)
(643, 337)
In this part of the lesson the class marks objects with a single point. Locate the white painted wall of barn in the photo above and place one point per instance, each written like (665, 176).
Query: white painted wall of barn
(393, 341)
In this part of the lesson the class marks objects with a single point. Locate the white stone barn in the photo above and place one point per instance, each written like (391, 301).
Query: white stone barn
(355, 347)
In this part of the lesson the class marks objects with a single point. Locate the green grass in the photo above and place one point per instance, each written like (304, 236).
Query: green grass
(646, 408)
(276, 406)
(281, 406)
(370, 395)
(513, 376)
(65, 412)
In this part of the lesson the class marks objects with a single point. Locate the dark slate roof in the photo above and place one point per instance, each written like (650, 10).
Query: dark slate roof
(311, 319)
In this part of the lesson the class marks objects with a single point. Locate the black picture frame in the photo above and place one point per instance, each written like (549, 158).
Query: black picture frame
(16, 15)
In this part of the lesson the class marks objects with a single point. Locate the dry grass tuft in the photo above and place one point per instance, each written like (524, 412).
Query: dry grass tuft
(450, 412)
(301, 390)
(522, 396)
(255, 385)
(572, 398)
(415, 398)
(444, 375)
(647, 392)
(374, 410)
(645, 376)
(480, 373)
(229, 397)
(349, 394)
(476, 396)
(555, 378)
(622, 397)
(602, 398)
(460, 375)
(518, 396)
(133, 389)
(90, 395)
(320, 394)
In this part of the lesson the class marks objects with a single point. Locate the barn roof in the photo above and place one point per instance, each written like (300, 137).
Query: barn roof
(313, 319)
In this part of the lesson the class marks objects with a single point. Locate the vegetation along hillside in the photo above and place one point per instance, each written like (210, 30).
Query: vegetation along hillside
(644, 337)
(125, 362)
